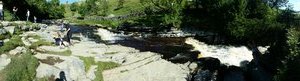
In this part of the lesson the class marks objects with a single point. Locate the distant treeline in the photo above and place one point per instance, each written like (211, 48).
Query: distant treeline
(42, 9)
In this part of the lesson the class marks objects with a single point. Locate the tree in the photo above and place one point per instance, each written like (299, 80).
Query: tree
(120, 3)
(74, 7)
(40, 8)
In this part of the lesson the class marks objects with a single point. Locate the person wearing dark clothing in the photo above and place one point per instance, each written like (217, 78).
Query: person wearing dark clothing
(62, 76)
(15, 9)
(69, 33)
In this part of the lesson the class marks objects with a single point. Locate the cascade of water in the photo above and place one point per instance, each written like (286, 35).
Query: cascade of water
(228, 55)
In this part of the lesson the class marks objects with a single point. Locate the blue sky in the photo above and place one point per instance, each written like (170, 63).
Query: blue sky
(69, 1)
(296, 4)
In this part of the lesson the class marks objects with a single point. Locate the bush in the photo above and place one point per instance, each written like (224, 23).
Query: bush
(21, 68)
(14, 42)
(291, 64)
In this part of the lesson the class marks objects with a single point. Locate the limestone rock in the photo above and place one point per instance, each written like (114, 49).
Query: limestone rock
(18, 50)
(72, 66)
(4, 61)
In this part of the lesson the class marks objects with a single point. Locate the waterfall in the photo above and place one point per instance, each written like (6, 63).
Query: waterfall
(228, 55)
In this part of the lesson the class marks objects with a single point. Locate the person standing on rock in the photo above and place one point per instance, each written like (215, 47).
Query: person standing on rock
(34, 18)
(27, 15)
(15, 9)
(1, 11)
(69, 34)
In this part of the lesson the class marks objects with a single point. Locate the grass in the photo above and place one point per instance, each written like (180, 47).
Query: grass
(21, 68)
(64, 53)
(111, 52)
(7, 15)
(40, 43)
(101, 66)
(14, 42)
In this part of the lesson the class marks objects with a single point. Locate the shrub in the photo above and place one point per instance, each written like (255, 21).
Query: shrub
(21, 68)
(14, 42)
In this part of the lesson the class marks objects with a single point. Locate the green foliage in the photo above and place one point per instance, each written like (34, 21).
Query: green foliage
(120, 3)
(94, 7)
(22, 68)
(7, 15)
(57, 10)
(14, 42)
(64, 53)
(291, 64)
(40, 43)
(294, 42)
(104, 66)
(169, 12)
(39, 8)
(5, 34)
(74, 7)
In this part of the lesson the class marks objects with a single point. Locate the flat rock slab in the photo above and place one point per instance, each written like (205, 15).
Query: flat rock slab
(160, 70)
(88, 49)
(4, 61)
(18, 50)
(72, 66)
(51, 48)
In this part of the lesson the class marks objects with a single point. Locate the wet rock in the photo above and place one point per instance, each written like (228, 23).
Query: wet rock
(4, 61)
(234, 73)
(18, 50)
(204, 75)
(209, 63)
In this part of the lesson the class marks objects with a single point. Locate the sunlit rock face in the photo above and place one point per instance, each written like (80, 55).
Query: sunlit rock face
(228, 55)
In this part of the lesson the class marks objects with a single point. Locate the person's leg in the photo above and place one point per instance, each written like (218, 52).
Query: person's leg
(1, 15)
(69, 35)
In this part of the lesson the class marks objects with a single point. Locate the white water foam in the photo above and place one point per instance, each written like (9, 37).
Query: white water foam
(109, 36)
(229, 55)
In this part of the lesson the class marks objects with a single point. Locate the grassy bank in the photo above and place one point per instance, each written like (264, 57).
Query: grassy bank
(21, 68)
(14, 42)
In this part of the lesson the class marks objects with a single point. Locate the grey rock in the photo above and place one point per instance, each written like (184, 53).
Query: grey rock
(10, 29)
(18, 50)
(4, 61)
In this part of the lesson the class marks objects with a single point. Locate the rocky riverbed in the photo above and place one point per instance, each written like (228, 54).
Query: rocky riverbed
(139, 58)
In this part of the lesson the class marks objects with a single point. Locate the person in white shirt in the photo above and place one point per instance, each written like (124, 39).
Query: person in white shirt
(34, 19)
(1, 10)
(28, 14)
